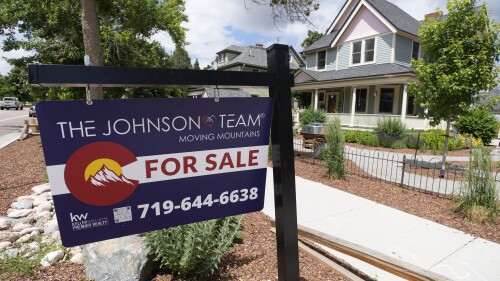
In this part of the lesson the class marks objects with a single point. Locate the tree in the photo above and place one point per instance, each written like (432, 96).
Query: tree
(312, 36)
(291, 10)
(460, 51)
(53, 32)
(180, 59)
(196, 65)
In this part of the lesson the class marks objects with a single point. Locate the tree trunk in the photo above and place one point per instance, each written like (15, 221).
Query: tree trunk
(445, 148)
(92, 40)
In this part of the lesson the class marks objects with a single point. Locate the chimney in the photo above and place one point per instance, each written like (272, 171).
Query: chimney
(432, 15)
(259, 45)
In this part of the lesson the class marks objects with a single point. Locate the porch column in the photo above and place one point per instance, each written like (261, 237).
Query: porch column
(404, 104)
(353, 106)
(315, 99)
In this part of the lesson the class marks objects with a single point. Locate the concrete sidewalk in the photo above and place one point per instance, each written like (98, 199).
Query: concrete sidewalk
(8, 139)
(422, 243)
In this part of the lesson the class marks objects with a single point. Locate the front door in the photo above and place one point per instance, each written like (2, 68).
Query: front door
(332, 103)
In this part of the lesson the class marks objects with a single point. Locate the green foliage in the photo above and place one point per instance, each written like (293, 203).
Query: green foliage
(480, 122)
(460, 52)
(312, 36)
(310, 116)
(393, 127)
(479, 187)
(196, 65)
(304, 99)
(434, 140)
(194, 249)
(53, 35)
(335, 139)
(22, 265)
(362, 137)
(398, 144)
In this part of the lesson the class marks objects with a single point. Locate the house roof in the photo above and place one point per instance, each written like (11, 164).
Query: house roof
(252, 56)
(323, 42)
(396, 16)
(362, 71)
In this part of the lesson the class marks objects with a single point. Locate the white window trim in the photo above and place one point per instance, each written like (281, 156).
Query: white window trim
(317, 60)
(395, 102)
(411, 51)
(367, 98)
(351, 43)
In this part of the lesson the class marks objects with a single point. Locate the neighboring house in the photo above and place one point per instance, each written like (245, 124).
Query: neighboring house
(360, 69)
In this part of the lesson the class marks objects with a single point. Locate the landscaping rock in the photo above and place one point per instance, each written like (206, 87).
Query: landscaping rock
(51, 258)
(27, 237)
(126, 259)
(41, 188)
(6, 222)
(4, 245)
(14, 252)
(39, 199)
(44, 206)
(23, 204)
(26, 197)
(21, 226)
(77, 258)
(20, 213)
(29, 230)
(51, 227)
(9, 236)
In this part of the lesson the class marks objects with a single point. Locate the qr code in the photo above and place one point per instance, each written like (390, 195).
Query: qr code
(123, 214)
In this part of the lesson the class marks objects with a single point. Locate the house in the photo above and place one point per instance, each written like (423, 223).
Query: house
(360, 69)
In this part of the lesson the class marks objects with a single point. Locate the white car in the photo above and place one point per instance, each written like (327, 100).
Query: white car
(10, 102)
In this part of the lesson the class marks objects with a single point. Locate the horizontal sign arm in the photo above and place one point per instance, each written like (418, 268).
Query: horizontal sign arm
(105, 76)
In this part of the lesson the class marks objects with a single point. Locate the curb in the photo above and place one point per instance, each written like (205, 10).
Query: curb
(8, 139)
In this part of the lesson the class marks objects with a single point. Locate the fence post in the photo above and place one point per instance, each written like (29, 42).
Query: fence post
(403, 172)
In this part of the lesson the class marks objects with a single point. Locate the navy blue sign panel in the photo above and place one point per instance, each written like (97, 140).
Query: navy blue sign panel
(121, 167)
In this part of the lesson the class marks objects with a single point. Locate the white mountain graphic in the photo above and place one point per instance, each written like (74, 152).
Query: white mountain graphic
(105, 176)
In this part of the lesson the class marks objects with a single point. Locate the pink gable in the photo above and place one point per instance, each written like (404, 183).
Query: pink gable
(302, 77)
(345, 15)
(364, 24)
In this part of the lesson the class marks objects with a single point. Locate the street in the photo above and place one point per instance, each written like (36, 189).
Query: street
(12, 120)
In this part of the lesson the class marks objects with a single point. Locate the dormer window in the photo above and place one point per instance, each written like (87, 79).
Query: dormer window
(415, 50)
(321, 59)
(363, 51)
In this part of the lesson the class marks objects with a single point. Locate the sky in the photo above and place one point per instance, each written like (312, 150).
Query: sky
(214, 25)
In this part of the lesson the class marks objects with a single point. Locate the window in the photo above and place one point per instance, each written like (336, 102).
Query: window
(361, 95)
(356, 52)
(415, 50)
(321, 59)
(386, 100)
(410, 106)
(363, 51)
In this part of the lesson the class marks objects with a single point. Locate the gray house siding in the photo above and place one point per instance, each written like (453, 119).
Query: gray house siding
(331, 59)
(344, 55)
(403, 50)
(384, 48)
(311, 61)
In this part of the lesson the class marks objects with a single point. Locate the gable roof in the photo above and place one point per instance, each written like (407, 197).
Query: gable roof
(395, 15)
(253, 56)
(324, 42)
(362, 71)
(401, 20)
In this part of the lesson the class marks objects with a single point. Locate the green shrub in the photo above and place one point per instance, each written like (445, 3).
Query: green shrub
(398, 144)
(479, 187)
(480, 122)
(391, 127)
(335, 149)
(194, 249)
(310, 116)
(362, 137)
(433, 139)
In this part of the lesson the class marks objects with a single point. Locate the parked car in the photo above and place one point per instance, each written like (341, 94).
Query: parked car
(11, 102)
(32, 112)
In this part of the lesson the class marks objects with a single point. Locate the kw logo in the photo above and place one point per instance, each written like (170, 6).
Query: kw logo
(209, 121)
(76, 218)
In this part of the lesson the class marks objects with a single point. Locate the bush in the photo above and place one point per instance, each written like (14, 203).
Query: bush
(335, 149)
(434, 139)
(479, 187)
(310, 116)
(362, 137)
(398, 144)
(194, 249)
(480, 122)
(387, 140)
(413, 142)
(391, 127)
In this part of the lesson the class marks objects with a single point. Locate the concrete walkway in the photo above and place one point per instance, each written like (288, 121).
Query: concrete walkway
(422, 243)
(8, 139)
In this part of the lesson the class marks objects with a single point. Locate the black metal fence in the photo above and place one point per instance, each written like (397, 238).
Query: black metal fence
(420, 172)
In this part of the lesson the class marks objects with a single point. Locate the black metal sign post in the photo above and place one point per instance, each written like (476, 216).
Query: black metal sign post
(278, 79)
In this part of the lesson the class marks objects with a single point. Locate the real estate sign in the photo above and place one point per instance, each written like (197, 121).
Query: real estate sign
(121, 167)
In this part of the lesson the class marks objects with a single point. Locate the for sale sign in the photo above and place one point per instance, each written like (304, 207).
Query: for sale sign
(121, 167)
